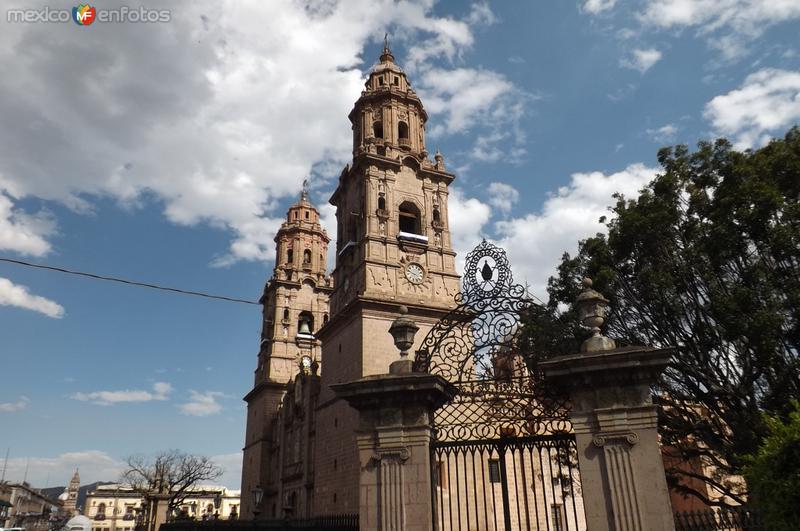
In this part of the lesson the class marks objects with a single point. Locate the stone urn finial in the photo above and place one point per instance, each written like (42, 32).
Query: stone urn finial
(592, 310)
(403, 330)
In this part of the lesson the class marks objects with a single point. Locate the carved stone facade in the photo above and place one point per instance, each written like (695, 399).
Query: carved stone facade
(393, 248)
(295, 303)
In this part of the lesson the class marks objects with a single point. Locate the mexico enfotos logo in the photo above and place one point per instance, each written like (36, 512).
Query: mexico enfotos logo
(86, 15)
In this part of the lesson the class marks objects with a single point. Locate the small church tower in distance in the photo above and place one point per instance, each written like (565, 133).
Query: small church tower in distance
(393, 248)
(71, 502)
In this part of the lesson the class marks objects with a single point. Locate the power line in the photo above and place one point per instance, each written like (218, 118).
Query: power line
(126, 281)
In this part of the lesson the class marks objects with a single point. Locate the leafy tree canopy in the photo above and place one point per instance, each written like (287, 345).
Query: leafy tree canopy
(705, 259)
(773, 474)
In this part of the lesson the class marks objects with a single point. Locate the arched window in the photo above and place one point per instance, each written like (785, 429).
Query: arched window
(381, 203)
(289, 256)
(409, 218)
(307, 257)
(402, 131)
(325, 319)
(437, 217)
(101, 509)
(377, 129)
(286, 314)
(306, 214)
(210, 508)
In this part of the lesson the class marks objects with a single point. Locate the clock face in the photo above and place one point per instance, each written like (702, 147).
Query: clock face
(306, 362)
(414, 273)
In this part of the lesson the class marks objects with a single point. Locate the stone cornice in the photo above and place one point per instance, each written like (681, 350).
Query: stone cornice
(262, 386)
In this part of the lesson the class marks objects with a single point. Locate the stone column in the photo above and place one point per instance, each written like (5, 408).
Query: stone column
(158, 507)
(615, 423)
(396, 413)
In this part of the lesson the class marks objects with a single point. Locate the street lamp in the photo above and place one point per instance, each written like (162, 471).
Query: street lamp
(258, 496)
(592, 310)
(403, 330)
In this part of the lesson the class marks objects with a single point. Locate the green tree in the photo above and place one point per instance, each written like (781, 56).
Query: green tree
(773, 474)
(705, 259)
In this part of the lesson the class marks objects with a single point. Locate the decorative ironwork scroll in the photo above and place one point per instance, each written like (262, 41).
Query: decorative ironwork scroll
(475, 347)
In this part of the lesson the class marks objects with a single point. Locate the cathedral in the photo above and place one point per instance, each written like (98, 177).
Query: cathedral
(393, 248)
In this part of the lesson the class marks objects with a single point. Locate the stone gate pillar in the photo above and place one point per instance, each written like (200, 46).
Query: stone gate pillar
(395, 423)
(615, 422)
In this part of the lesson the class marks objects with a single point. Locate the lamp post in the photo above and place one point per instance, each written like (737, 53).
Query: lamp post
(403, 330)
(258, 496)
(592, 311)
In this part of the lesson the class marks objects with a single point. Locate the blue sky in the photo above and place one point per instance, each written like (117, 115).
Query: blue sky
(169, 152)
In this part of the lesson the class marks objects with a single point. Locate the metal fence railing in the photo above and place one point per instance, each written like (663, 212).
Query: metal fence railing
(736, 519)
(338, 522)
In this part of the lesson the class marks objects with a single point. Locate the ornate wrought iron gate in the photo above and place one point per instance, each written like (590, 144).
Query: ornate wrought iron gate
(503, 455)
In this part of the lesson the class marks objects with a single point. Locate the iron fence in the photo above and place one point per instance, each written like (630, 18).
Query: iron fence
(338, 522)
(738, 519)
(520, 483)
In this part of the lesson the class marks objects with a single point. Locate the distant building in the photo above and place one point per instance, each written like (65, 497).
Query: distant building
(115, 507)
(70, 495)
(23, 506)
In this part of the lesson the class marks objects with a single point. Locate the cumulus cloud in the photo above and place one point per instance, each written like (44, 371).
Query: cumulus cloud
(225, 110)
(161, 391)
(467, 216)
(768, 102)
(202, 404)
(535, 242)
(665, 133)
(22, 232)
(641, 60)
(461, 100)
(18, 296)
(94, 465)
(10, 407)
(502, 196)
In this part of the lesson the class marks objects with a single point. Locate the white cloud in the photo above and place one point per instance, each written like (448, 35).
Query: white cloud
(641, 60)
(22, 232)
(218, 131)
(202, 404)
(231, 469)
(598, 6)
(665, 133)
(93, 465)
(768, 102)
(161, 391)
(536, 241)
(462, 100)
(18, 296)
(728, 25)
(10, 407)
(502, 196)
(467, 216)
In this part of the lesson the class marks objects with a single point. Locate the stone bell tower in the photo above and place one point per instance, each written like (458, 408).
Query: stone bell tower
(295, 306)
(71, 503)
(393, 248)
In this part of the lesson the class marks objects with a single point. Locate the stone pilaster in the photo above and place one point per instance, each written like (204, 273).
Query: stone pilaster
(622, 474)
(393, 437)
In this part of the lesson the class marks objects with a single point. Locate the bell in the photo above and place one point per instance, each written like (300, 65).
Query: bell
(304, 329)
